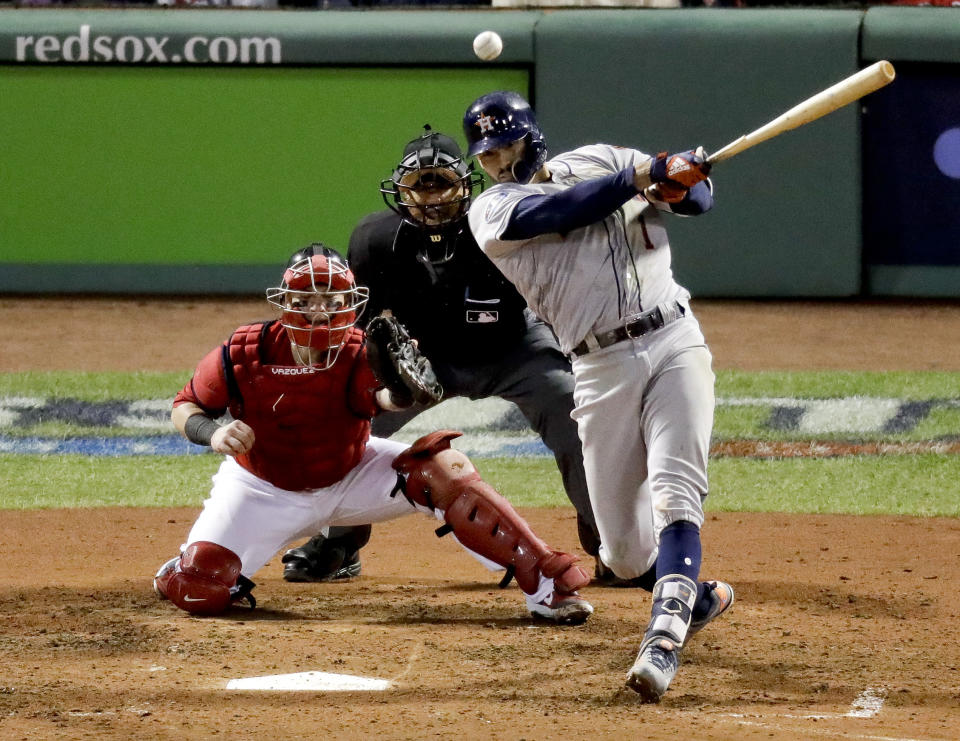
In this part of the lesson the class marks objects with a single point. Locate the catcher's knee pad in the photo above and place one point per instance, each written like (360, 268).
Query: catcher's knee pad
(201, 581)
(482, 520)
(433, 469)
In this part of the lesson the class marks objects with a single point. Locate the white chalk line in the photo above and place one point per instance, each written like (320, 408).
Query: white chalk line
(412, 659)
(807, 731)
(866, 705)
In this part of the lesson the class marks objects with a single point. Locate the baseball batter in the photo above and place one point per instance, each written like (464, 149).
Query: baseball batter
(299, 457)
(582, 236)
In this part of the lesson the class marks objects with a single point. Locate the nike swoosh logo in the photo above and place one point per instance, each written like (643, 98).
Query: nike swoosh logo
(188, 598)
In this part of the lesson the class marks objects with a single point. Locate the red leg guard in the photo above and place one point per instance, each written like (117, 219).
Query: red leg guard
(482, 520)
(200, 582)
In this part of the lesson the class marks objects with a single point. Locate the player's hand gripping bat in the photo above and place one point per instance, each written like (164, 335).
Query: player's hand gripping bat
(846, 91)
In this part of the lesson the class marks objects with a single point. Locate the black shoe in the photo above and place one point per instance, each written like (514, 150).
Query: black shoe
(332, 566)
(604, 577)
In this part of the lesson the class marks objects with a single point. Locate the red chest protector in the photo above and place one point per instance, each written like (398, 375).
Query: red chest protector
(307, 436)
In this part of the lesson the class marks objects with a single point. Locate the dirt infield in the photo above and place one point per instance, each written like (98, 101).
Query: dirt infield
(172, 334)
(844, 627)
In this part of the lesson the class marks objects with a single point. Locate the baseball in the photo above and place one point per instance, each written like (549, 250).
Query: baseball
(488, 45)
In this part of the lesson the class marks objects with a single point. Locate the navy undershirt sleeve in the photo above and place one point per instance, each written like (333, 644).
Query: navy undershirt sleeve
(575, 207)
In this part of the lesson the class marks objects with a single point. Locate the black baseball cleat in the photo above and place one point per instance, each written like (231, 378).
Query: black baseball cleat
(603, 576)
(298, 567)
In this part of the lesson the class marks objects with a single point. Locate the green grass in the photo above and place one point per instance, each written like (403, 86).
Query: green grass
(93, 386)
(64, 430)
(55, 481)
(897, 484)
(750, 423)
(807, 384)
(837, 384)
(922, 485)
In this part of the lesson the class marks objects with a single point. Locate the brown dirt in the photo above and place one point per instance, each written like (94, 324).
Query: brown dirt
(128, 334)
(827, 607)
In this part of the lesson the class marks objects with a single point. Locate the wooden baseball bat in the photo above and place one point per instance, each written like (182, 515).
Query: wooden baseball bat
(846, 91)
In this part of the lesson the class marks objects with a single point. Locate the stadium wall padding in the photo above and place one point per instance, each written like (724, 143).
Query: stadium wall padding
(911, 218)
(167, 151)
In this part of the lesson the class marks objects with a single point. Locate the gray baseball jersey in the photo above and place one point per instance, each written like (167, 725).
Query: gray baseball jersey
(644, 406)
(627, 254)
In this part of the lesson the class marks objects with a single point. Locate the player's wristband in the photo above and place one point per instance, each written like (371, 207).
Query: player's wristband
(392, 401)
(199, 428)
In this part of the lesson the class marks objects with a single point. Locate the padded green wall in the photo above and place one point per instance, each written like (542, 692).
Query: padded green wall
(204, 178)
(202, 165)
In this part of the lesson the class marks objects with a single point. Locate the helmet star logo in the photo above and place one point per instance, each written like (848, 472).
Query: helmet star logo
(485, 123)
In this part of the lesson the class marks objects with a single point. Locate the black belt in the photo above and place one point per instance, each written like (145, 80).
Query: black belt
(640, 325)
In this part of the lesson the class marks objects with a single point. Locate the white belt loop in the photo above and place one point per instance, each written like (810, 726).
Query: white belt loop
(591, 342)
(671, 311)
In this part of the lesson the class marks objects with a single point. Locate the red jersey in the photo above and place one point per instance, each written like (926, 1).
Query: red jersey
(311, 425)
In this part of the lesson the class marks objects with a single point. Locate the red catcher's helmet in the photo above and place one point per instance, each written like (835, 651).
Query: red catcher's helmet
(319, 300)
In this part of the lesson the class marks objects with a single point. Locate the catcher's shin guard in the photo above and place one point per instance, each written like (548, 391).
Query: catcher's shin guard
(440, 477)
(203, 581)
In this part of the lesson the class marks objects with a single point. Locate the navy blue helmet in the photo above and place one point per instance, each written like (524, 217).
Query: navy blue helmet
(497, 120)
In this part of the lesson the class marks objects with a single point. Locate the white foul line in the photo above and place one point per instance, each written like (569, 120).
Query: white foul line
(823, 731)
(868, 703)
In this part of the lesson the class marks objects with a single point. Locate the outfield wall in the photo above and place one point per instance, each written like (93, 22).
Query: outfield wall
(191, 151)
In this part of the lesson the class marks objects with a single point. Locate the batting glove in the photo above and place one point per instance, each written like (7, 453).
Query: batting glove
(683, 170)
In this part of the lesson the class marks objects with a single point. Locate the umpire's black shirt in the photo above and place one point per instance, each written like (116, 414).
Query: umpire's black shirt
(460, 311)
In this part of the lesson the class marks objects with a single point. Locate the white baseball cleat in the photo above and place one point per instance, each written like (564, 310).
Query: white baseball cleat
(654, 669)
(562, 609)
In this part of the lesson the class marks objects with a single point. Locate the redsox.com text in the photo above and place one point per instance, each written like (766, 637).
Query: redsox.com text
(132, 49)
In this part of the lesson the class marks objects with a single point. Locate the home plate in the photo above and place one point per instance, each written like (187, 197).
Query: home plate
(310, 682)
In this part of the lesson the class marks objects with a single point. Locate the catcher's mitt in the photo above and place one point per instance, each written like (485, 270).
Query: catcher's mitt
(399, 365)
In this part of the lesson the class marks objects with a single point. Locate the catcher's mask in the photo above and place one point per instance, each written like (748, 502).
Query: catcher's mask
(319, 301)
(431, 189)
(498, 119)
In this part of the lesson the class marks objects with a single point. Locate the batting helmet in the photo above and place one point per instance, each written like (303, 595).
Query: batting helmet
(432, 186)
(319, 300)
(497, 120)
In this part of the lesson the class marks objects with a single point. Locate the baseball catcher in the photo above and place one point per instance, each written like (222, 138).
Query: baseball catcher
(298, 455)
